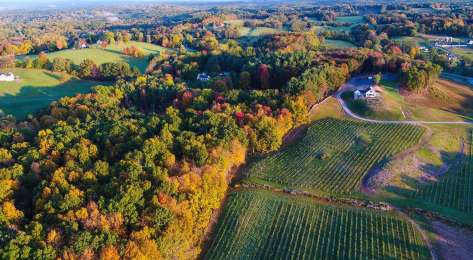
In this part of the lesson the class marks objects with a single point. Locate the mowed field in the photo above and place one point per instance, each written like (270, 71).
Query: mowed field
(266, 225)
(338, 44)
(113, 53)
(36, 89)
(334, 156)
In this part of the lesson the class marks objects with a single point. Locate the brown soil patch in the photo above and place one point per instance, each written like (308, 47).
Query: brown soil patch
(453, 243)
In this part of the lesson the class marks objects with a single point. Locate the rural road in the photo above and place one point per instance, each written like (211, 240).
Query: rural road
(362, 82)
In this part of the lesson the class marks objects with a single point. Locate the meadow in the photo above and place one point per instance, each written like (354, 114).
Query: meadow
(265, 225)
(337, 44)
(113, 53)
(334, 156)
(36, 89)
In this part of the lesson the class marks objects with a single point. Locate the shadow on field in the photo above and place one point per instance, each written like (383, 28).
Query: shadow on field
(31, 99)
(439, 185)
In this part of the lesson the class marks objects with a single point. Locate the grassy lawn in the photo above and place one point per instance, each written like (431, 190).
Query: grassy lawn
(36, 89)
(338, 44)
(350, 19)
(113, 53)
(410, 41)
(447, 101)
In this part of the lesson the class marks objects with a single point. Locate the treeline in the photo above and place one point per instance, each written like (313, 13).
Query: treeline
(418, 77)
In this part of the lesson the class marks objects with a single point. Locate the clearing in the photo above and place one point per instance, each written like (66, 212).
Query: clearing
(113, 53)
(338, 44)
(36, 89)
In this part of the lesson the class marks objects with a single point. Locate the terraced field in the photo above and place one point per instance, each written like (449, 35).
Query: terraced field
(266, 225)
(453, 190)
(334, 156)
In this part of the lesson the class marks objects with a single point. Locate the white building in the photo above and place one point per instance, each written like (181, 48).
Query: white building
(368, 94)
(7, 76)
(203, 77)
(357, 94)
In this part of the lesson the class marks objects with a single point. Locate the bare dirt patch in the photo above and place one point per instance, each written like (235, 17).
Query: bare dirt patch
(379, 177)
(453, 243)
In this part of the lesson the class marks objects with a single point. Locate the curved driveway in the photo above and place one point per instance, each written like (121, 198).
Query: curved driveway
(361, 82)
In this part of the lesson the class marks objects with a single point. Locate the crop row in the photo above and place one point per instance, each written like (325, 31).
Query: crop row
(454, 189)
(265, 225)
(335, 155)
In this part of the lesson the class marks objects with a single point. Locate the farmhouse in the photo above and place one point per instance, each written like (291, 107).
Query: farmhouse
(369, 93)
(7, 76)
(203, 77)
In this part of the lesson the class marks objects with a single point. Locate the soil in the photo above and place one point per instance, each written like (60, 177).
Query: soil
(452, 242)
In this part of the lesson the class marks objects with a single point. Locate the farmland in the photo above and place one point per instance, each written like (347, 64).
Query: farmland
(35, 89)
(265, 225)
(334, 156)
(338, 44)
(454, 189)
(450, 192)
(113, 53)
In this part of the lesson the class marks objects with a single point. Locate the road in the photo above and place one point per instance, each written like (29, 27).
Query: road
(361, 82)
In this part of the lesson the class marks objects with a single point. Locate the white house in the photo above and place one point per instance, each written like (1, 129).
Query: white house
(203, 77)
(470, 42)
(7, 76)
(368, 94)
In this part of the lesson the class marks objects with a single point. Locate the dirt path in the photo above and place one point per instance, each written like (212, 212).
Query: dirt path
(453, 243)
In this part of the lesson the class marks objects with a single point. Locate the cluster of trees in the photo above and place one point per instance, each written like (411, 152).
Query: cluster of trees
(49, 42)
(133, 51)
(133, 170)
(418, 77)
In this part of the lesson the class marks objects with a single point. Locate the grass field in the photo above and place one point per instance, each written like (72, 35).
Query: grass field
(36, 89)
(338, 44)
(334, 156)
(464, 53)
(266, 225)
(410, 41)
(113, 53)
(350, 19)
(450, 193)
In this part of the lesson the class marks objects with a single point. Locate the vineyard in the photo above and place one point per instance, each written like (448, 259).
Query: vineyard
(265, 225)
(334, 156)
(453, 190)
